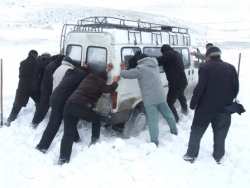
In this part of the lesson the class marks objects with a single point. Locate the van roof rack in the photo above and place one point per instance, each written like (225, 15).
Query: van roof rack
(101, 22)
(98, 23)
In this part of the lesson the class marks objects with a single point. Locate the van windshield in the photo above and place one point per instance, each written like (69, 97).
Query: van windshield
(96, 59)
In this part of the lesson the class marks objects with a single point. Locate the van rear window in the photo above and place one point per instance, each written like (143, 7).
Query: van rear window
(96, 59)
(75, 53)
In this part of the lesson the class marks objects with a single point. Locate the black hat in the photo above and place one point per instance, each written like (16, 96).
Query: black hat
(68, 59)
(209, 45)
(165, 48)
(213, 51)
(142, 56)
(46, 54)
(32, 53)
(103, 74)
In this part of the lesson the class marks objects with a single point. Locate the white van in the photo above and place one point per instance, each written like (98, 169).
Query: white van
(100, 40)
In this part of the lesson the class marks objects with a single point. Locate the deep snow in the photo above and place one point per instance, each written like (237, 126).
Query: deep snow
(117, 162)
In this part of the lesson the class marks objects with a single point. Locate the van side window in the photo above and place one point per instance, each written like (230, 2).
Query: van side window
(127, 53)
(96, 59)
(75, 53)
(154, 52)
(185, 56)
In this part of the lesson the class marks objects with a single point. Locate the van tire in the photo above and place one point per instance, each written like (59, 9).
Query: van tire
(137, 122)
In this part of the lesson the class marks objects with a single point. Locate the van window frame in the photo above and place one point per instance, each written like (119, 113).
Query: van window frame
(128, 47)
(181, 48)
(75, 61)
(161, 69)
(89, 64)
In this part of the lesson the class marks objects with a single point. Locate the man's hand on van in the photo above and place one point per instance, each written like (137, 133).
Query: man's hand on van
(193, 53)
(85, 64)
(116, 78)
(123, 66)
(109, 67)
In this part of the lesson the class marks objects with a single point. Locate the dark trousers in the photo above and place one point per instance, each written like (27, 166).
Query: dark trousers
(172, 96)
(41, 109)
(23, 93)
(14, 112)
(72, 113)
(54, 123)
(220, 125)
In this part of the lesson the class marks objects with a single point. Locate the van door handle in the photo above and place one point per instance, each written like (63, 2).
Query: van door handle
(189, 72)
(192, 71)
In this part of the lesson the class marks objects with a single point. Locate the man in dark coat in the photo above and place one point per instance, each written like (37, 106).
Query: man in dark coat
(177, 81)
(27, 74)
(217, 87)
(46, 90)
(80, 106)
(58, 98)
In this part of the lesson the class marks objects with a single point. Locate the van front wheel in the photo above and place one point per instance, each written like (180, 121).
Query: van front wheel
(137, 122)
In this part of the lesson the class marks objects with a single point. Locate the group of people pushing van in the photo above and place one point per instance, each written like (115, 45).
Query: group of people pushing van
(72, 92)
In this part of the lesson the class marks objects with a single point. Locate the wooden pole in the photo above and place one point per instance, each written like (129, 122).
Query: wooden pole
(1, 92)
(238, 72)
(239, 64)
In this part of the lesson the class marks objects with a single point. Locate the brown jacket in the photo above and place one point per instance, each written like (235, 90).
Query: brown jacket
(90, 90)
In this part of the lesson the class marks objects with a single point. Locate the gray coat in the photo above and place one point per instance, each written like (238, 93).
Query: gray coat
(147, 73)
(201, 56)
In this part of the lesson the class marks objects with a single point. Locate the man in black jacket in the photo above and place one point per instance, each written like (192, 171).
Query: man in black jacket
(27, 75)
(58, 98)
(217, 87)
(46, 90)
(177, 81)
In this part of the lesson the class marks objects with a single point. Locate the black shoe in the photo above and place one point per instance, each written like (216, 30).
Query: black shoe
(107, 126)
(7, 122)
(62, 161)
(77, 141)
(118, 127)
(34, 125)
(93, 141)
(185, 112)
(218, 161)
(189, 159)
(41, 149)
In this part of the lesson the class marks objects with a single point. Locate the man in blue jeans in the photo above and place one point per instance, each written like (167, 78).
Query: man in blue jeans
(153, 95)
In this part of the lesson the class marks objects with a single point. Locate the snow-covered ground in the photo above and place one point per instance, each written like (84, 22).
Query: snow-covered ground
(116, 162)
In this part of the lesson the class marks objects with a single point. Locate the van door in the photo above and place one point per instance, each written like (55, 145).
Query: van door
(96, 57)
(195, 64)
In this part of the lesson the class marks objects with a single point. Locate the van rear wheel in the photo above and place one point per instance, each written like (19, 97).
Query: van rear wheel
(137, 122)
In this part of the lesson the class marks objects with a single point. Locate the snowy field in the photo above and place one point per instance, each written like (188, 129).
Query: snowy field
(116, 162)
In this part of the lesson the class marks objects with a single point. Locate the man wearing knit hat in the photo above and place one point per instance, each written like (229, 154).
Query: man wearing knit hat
(177, 81)
(217, 87)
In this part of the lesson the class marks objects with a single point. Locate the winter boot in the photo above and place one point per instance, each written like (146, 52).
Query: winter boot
(188, 158)
(34, 125)
(218, 161)
(43, 150)
(62, 161)
(93, 141)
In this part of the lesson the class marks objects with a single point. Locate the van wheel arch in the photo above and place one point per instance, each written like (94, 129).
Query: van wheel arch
(137, 122)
